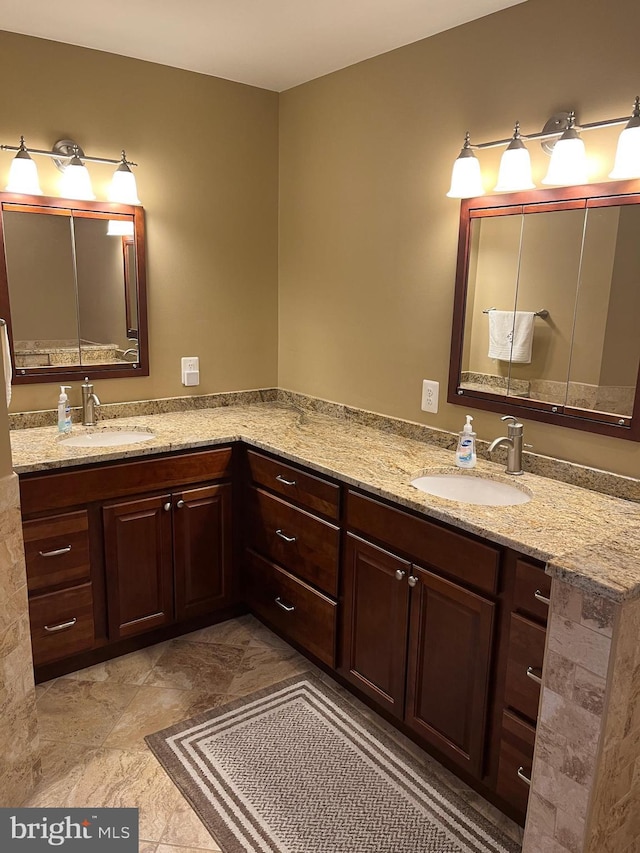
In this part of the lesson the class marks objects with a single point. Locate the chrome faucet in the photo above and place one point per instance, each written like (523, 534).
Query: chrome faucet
(89, 402)
(513, 442)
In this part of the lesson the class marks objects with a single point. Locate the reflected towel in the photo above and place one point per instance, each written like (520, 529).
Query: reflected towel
(511, 335)
(6, 358)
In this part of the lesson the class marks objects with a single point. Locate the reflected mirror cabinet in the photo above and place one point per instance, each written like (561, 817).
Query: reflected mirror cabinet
(72, 288)
(547, 307)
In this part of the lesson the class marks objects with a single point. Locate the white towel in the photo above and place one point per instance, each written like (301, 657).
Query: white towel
(511, 335)
(6, 358)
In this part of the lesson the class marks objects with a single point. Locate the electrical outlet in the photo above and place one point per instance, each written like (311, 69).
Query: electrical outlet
(190, 370)
(430, 393)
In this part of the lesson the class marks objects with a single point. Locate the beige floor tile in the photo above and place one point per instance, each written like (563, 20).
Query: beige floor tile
(202, 666)
(82, 711)
(185, 829)
(147, 847)
(233, 632)
(155, 708)
(128, 669)
(262, 667)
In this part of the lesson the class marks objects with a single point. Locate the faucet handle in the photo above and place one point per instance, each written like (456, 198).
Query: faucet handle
(509, 418)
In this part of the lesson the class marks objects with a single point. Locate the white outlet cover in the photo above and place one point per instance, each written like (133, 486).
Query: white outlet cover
(430, 394)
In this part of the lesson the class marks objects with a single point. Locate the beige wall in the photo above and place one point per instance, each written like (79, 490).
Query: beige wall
(367, 236)
(208, 179)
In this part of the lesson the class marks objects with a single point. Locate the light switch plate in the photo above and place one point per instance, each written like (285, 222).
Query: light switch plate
(430, 394)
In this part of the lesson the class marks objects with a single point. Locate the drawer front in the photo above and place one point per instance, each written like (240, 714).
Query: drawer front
(516, 754)
(524, 666)
(57, 550)
(101, 482)
(303, 544)
(532, 586)
(61, 623)
(459, 556)
(292, 607)
(295, 485)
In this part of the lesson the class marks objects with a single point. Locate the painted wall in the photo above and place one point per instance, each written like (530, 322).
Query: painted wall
(207, 150)
(367, 236)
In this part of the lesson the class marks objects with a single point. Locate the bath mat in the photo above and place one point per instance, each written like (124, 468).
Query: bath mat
(297, 769)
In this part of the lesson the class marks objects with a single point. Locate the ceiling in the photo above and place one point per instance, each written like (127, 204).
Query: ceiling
(273, 44)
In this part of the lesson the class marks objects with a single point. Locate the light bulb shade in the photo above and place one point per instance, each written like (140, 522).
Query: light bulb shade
(627, 162)
(123, 186)
(120, 228)
(515, 170)
(23, 175)
(466, 178)
(568, 164)
(75, 182)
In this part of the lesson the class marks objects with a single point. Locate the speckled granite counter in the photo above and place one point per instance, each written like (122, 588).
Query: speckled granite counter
(589, 540)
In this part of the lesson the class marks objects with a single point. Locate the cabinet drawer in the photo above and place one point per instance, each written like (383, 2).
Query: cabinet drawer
(295, 485)
(57, 550)
(61, 623)
(517, 742)
(295, 609)
(457, 555)
(524, 666)
(531, 585)
(302, 543)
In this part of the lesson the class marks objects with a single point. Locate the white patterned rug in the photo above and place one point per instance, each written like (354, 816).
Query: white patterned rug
(296, 769)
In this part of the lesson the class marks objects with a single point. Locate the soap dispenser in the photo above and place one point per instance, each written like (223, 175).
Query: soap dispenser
(466, 450)
(64, 410)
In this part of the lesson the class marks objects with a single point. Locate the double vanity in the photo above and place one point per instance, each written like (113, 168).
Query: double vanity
(437, 611)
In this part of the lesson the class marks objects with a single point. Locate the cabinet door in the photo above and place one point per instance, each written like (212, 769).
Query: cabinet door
(450, 643)
(202, 549)
(138, 561)
(376, 604)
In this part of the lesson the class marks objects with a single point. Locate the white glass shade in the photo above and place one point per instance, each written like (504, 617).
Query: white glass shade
(568, 164)
(120, 228)
(76, 183)
(123, 186)
(627, 162)
(515, 170)
(23, 176)
(466, 178)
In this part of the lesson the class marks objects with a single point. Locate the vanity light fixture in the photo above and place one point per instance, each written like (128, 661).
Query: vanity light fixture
(76, 181)
(561, 138)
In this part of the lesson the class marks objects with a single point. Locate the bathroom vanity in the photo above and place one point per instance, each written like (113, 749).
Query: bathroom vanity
(435, 612)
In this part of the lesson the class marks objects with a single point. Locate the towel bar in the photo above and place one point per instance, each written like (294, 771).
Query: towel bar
(542, 313)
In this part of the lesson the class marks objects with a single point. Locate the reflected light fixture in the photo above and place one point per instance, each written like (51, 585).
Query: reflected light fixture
(515, 166)
(568, 165)
(120, 228)
(466, 177)
(627, 162)
(76, 181)
(23, 174)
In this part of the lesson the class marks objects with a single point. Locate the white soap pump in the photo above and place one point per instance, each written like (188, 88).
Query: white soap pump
(466, 450)
(64, 410)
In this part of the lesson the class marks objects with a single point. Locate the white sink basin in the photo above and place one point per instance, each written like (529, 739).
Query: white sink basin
(469, 489)
(107, 438)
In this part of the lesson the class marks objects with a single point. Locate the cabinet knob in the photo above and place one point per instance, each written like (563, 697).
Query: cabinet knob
(167, 506)
(399, 574)
(180, 504)
(412, 580)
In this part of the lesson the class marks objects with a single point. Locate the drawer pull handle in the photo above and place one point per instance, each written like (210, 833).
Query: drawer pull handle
(284, 536)
(540, 597)
(413, 580)
(523, 777)
(285, 482)
(288, 607)
(53, 629)
(399, 574)
(533, 675)
(55, 553)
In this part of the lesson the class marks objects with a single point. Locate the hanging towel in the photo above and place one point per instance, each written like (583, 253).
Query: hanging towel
(511, 335)
(6, 358)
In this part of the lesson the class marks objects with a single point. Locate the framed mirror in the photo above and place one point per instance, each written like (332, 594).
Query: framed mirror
(73, 288)
(547, 306)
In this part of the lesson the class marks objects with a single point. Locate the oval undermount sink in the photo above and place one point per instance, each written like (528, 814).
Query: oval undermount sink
(107, 438)
(469, 489)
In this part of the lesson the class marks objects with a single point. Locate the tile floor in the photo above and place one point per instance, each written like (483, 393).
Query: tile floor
(93, 723)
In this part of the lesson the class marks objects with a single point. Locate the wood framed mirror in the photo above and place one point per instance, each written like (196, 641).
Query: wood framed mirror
(558, 270)
(73, 288)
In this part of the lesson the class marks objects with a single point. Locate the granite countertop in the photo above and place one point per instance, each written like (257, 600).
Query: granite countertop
(586, 538)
